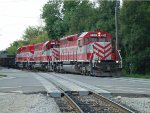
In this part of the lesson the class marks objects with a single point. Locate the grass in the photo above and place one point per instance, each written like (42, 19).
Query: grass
(138, 76)
(1, 75)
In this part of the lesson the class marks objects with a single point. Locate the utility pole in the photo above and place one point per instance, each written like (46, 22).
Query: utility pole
(116, 23)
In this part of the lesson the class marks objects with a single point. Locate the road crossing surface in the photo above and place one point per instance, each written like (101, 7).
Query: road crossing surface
(26, 82)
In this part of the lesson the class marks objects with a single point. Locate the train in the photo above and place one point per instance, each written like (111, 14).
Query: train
(90, 53)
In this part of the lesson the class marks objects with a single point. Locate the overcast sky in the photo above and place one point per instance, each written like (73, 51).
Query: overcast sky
(16, 16)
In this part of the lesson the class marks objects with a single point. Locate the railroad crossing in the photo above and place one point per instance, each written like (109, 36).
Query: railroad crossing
(74, 87)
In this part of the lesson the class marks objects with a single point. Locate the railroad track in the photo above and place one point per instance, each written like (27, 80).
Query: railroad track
(72, 102)
(95, 103)
(67, 105)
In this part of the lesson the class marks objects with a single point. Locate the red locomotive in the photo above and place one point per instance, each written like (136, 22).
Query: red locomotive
(24, 56)
(88, 53)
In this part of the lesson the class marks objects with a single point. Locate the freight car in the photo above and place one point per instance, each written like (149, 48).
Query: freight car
(7, 60)
(88, 53)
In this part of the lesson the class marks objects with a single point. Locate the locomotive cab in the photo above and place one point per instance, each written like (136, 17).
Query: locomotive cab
(97, 49)
(51, 44)
(24, 56)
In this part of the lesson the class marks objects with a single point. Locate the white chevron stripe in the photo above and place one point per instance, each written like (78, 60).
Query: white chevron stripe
(54, 52)
(99, 48)
(107, 53)
(107, 47)
(101, 54)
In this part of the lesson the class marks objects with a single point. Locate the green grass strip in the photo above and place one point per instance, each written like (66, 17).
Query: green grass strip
(139, 76)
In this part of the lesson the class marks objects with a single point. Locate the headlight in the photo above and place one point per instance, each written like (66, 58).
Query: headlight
(117, 61)
(99, 61)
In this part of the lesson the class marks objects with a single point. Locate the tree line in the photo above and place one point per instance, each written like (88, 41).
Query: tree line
(63, 17)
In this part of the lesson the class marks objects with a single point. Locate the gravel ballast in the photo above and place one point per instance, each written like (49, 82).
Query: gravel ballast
(22, 103)
(140, 104)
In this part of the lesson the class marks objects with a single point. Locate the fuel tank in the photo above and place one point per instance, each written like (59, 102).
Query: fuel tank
(71, 68)
(37, 66)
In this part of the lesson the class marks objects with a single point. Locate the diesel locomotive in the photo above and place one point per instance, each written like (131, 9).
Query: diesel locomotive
(88, 53)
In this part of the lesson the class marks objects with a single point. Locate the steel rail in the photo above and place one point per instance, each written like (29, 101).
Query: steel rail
(73, 104)
(69, 100)
(112, 103)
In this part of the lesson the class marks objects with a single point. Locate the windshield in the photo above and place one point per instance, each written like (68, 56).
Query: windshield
(100, 39)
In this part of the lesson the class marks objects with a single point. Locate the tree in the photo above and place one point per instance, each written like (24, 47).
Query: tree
(42, 37)
(31, 33)
(35, 34)
(74, 17)
(14, 46)
(53, 18)
(135, 35)
(106, 16)
(78, 16)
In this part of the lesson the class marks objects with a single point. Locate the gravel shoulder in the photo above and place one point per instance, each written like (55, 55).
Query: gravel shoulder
(23, 103)
(140, 104)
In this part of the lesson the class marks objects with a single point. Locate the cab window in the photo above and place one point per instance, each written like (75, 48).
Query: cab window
(109, 40)
(36, 47)
(102, 39)
(86, 41)
(93, 39)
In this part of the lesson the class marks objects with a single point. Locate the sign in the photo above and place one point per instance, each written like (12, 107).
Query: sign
(103, 35)
(93, 34)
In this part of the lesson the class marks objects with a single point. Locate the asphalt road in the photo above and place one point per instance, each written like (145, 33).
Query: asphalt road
(25, 82)
(116, 85)
(19, 81)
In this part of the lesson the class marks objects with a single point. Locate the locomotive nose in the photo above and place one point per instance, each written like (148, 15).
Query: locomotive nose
(102, 50)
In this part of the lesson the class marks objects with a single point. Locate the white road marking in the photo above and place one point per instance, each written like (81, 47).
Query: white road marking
(3, 78)
(3, 93)
(127, 90)
(123, 87)
(132, 80)
(16, 91)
